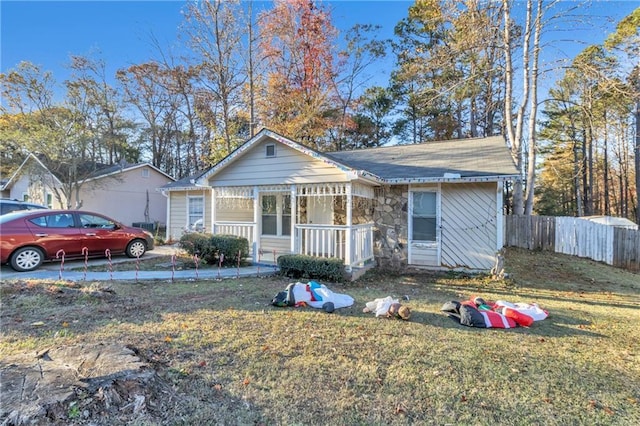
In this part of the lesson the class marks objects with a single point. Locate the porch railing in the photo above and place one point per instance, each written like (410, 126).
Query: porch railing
(331, 241)
(316, 240)
(239, 229)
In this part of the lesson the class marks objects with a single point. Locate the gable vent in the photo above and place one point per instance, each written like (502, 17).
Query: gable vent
(270, 150)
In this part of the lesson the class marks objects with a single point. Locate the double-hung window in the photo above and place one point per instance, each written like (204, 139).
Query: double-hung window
(195, 214)
(424, 216)
(276, 214)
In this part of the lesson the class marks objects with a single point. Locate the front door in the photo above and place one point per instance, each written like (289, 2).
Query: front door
(424, 228)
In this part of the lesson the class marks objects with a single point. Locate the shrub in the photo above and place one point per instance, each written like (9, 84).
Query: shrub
(320, 268)
(209, 247)
(230, 246)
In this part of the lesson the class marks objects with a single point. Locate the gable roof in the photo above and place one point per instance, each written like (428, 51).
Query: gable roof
(123, 167)
(16, 174)
(262, 135)
(186, 183)
(477, 158)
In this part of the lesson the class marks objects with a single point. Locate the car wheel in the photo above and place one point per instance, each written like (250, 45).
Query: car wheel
(27, 259)
(136, 248)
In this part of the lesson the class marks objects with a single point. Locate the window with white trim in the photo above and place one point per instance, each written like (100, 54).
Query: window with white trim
(49, 200)
(270, 150)
(424, 216)
(276, 214)
(145, 173)
(195, 214)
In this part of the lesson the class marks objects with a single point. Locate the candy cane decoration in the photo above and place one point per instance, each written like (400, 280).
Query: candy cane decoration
(238, 268)
(195, 260)
(61, 263)
(85, 251)
(275, 263)
(220, 260)
(259, 254)
(107, 253)
(173, 266)
(137, 266)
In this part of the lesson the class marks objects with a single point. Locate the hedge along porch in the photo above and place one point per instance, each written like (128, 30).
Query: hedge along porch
(437, 204)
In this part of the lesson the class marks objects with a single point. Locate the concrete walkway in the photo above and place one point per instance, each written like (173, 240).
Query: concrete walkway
(74, 270)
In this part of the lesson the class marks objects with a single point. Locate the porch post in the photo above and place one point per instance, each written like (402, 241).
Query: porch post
(347, 244)
(256, 219)
(499, 216)
(294, 215)
(213, 210)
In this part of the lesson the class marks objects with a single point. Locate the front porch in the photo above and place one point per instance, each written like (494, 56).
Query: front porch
(327, 220)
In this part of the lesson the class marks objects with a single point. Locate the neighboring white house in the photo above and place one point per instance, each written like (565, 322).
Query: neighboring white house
(436, 204)
(126, 192)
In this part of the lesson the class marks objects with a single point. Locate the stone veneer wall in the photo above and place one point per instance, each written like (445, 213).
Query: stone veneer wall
(390, 235)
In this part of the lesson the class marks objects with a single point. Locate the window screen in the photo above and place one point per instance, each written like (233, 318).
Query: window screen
(424, 216)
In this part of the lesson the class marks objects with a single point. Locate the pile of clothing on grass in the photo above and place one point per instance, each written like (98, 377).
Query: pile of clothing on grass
(319, 296)
(478, 312)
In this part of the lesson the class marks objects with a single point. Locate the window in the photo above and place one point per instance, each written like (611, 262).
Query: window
(424, 216)
(145, 173)
(276, 214)
(63, 220)
(49, 200)
(196, 214)
(271, 150)
(25, 196)
(92, 222)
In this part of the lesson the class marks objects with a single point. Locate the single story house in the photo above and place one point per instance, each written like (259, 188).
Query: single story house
(126, 192)
(436, 204)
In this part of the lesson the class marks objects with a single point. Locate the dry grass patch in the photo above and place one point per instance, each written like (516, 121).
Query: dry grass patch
(237, 360)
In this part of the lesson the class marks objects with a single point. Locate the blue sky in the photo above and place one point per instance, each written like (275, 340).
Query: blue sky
(47, 32)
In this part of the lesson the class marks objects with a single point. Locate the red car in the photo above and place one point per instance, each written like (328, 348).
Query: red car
(27, 238)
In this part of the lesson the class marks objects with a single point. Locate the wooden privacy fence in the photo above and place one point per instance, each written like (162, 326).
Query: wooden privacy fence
(575, 236)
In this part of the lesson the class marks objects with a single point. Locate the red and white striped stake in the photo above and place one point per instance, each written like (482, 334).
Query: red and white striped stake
(173, 266)
(195, 260)
(275, 264)
(137, 266)
(220, 260)
(259, 254)
(58, 255)
(85, 251)
(107, 253)
(238, 268)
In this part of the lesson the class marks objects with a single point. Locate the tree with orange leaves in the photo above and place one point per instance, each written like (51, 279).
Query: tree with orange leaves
(296, 39)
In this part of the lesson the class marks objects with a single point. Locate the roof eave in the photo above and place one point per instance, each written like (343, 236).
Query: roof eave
(441, 179)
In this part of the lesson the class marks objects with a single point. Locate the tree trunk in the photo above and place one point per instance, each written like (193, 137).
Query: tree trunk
(637, 162)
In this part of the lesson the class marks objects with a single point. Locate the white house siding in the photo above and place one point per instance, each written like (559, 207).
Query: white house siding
(179, 215)
(469, 225)
(287, 167)
(123, 196)
(35, 187)
(234, 210)
(282, 245)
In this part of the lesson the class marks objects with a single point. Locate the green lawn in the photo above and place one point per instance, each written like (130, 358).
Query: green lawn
(234, 359)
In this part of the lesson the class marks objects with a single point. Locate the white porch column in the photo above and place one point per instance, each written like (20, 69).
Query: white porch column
(213, 210)
(294, 217)
(257, 213)
(347, 243)
(499, 216)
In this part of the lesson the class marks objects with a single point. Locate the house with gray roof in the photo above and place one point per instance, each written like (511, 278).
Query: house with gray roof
(435, 205)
